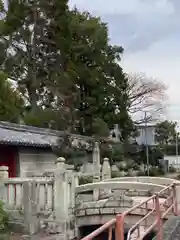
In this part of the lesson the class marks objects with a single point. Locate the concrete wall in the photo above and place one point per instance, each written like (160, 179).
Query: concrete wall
(173, 161)
(34, 161)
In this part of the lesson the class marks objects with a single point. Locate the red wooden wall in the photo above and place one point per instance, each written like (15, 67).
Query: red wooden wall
(8, 157)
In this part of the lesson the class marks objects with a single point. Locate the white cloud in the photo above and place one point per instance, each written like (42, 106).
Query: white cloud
(161, 61)
(108, 7)
(125, 7)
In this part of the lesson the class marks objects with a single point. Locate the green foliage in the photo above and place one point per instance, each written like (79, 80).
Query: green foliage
(100, 80)
(115, 174)
(170, 149)
(155, 172)
(106, 151)
(1, 6)
(37, 59)
(165, 133)
(76, 154)
(65, 68)
(100, 128)
(124, 151)
(11, 104)
(46, 118)
(172, 169)
(85, 180)
(154, 155)
(4, 219)
(141, 173)
(135, 166)
(117, 153)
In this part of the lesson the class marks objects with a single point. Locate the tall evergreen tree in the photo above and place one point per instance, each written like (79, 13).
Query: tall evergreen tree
(11, 103)
(100, 80)
(36, 32)
(65, 68)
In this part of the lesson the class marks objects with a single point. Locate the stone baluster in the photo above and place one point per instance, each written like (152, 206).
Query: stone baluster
(3, 178)
(106, 174)
(70, 176)
(106, 169)
(74, 184)
(31, 219)
(61, 195)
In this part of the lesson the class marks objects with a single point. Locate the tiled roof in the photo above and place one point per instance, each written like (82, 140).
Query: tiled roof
(17, 134)
(14, 134)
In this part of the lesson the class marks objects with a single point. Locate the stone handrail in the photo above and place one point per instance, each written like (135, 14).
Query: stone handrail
(21, 180)
(144, 179)
(118, 185)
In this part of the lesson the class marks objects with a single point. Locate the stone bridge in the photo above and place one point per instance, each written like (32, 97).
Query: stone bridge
(100, 202)
(74, 210)
(82, 208)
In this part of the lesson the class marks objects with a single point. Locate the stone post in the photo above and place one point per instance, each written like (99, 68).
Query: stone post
(31, 220)
(3, 178)
(106, 169)
(97, 169)
(106, 174)
(74, 184)
(96, 161)
(61, 195)
(71, 183)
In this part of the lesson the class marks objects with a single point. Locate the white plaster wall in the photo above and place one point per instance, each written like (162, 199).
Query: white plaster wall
(173, 161)
(35, 162)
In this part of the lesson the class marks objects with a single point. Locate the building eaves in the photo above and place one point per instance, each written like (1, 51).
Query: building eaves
(23, 135)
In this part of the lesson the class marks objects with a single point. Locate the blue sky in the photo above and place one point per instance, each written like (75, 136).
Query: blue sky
(149, 31)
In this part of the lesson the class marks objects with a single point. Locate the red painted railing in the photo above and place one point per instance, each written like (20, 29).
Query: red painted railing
(159, 211)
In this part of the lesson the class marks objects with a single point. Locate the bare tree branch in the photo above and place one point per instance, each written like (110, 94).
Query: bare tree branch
(146, 94)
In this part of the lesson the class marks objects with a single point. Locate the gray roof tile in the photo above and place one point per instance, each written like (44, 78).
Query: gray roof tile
(18, 136)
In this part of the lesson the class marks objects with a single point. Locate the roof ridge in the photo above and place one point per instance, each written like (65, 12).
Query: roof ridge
(25, 128)
(37, 130)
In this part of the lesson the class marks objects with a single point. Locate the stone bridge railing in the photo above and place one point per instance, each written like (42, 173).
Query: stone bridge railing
(146, 179)
(103, 190)
(98, 202)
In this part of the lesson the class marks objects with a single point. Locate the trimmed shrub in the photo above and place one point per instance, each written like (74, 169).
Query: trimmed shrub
(85, 180)
(4, 219)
